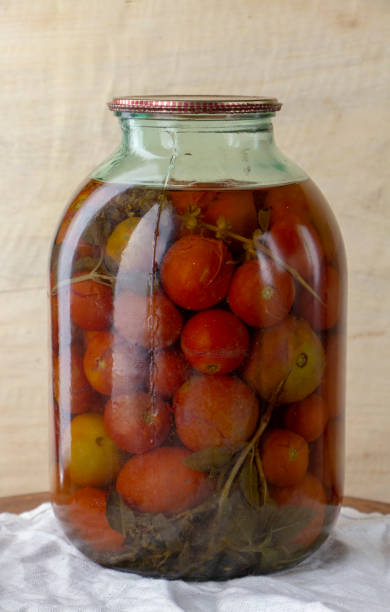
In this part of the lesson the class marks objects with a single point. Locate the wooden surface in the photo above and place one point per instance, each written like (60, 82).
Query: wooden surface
(61, 61)
(21, 503)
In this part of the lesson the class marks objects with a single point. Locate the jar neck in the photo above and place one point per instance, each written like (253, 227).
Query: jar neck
(149, 136)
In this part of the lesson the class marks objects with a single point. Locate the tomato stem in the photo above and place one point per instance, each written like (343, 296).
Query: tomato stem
(289, 269)
(98, 277)
(251, 245)
(102, 279)
(264, 420)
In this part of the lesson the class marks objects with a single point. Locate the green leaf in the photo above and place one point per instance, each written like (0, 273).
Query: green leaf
(208, 459)
(243, 530)
(249, 529)
(93, 234)
(264, 216)
(109, 265)
(271, 558)
(250, 482)
(193, 544)
(85, 264)
(106, 230)
(119, 516)
(287, 522)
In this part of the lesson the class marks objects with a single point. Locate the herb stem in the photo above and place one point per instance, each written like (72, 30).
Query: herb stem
(255, 243)
(263, 480)
(103, 279)
(214, 228)
(264, 420)
(259, 245)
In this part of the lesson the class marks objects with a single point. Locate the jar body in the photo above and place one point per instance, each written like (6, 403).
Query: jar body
(198, 337)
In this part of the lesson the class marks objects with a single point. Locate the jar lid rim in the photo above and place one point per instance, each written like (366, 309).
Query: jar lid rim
(195, 105)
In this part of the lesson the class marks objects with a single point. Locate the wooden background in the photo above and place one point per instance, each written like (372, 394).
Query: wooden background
(61, 60)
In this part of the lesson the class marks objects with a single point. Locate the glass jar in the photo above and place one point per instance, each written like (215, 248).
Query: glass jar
(198, 343)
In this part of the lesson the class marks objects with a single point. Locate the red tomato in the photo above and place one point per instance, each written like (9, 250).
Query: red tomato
(112, 366)
(86, 249)
(159, 481)
(322, 315)
(169, 371)
(87, 513)
(327, 456)
(196, 272)
(261, 292)
(286, 199)
(151, 321)
(297, 244)
(285, 457)
(236, 207)
(137, 422)
(308, 493)
(307, 418)
(215, 411)
(88, 335)
(182, 200)
(289, 353)
(90, 304)
(214, 341)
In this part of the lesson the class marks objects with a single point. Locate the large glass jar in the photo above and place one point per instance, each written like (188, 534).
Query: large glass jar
(198, 343)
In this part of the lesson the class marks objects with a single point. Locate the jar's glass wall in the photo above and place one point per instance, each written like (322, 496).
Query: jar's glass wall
(183, 152)
(198, 342)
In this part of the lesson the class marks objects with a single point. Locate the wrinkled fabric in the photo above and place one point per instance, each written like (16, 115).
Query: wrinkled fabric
(40, 570)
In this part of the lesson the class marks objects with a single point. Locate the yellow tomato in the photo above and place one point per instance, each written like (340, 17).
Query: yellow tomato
(90, 456)
(119, 238)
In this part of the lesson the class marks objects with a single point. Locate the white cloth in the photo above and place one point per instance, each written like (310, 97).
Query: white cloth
(40, 570)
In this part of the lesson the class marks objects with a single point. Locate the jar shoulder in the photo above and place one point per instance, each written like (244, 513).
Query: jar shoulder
(241, 167)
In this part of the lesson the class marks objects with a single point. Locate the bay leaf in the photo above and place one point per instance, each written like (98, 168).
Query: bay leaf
(106, 230)
(193, 543)
(169, 531)
(109, 265)
(85, 264)
(207, 459)
(250, 482)
(119, 516)
(287, 522)
(249, 529)
(264, 217)
(93, 234)
(271, 558)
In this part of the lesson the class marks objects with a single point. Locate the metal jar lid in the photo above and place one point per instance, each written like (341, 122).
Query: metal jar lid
(195, 105)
